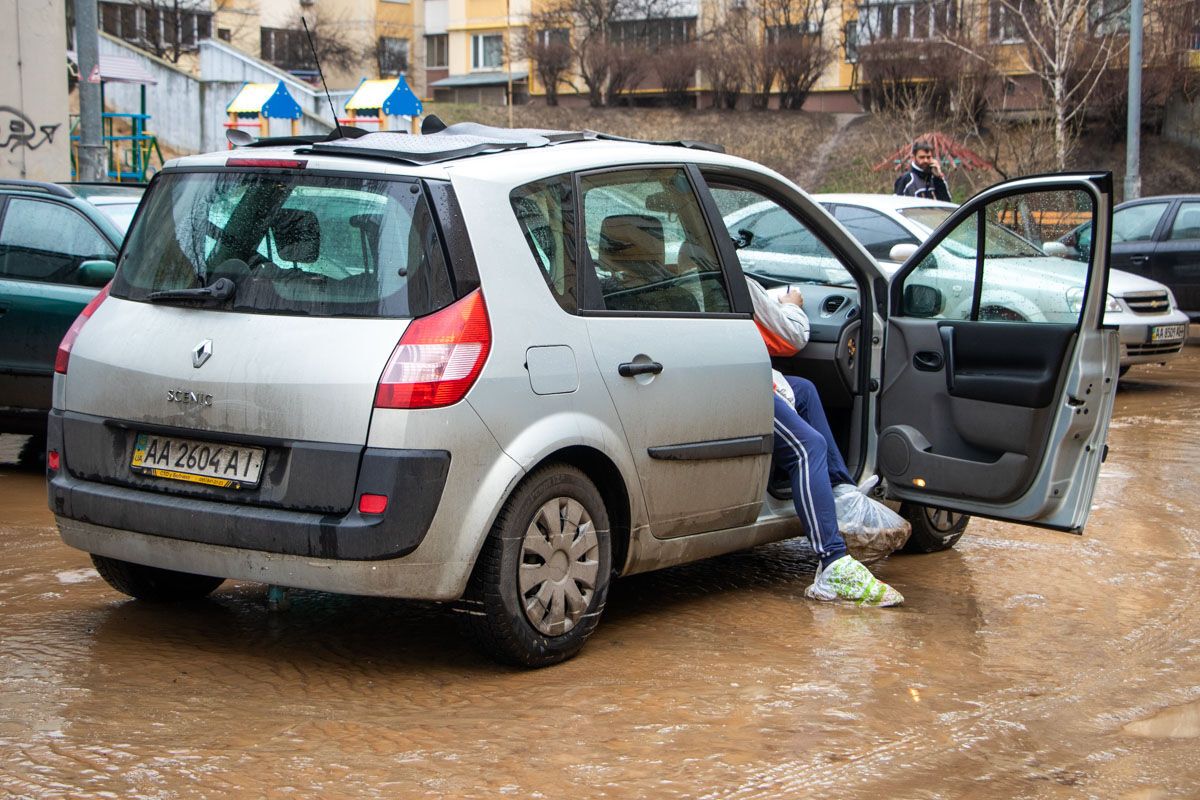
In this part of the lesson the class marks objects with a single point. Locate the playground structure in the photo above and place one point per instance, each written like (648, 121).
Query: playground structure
(256, 104)
(385, 103)
(127, 139)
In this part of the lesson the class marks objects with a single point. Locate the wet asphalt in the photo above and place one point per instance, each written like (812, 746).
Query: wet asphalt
(1025, 664)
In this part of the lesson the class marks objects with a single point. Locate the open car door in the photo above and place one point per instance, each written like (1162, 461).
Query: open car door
(999, 378)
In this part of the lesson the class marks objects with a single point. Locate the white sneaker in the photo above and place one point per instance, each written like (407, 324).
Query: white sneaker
(848, 581)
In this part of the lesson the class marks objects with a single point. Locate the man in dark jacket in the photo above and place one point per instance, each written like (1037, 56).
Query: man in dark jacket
(924, 177)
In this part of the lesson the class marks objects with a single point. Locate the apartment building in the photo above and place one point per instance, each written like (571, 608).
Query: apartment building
(482, 51)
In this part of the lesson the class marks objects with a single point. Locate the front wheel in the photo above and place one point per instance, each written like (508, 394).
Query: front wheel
(541, 580)
(152, 583)
(933, 529)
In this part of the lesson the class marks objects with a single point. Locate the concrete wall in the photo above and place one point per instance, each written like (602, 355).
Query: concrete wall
(34, 127)
(172, 103)
(1181, 122)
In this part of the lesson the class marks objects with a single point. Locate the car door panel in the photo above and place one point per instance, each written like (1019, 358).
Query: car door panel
(1176, 257)
(688, 374)
(1002, 418)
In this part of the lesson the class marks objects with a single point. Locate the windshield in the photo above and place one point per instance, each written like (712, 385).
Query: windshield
(292, 244)
(1001, 242)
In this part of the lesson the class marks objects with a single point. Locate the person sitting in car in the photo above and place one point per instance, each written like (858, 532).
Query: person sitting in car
(806, 450)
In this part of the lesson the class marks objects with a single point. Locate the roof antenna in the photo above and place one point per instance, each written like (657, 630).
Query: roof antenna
(337, 126)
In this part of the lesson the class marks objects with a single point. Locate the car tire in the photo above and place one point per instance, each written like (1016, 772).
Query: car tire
(528, 602)
(933, 529)
(152, 583)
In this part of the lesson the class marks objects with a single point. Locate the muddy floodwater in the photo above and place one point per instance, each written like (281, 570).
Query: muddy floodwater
(1025, 664)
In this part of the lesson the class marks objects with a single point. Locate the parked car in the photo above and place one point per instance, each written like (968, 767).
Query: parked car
(1152, 328)
(1158, 237)
(462, 367)
(58, 243)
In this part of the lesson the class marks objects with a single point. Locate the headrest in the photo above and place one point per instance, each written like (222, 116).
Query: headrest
(297, 235)
(632, 239)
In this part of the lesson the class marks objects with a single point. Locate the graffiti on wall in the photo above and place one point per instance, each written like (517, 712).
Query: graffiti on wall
(19, 131)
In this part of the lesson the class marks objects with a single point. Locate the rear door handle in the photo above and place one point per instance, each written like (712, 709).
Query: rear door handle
(632, 369)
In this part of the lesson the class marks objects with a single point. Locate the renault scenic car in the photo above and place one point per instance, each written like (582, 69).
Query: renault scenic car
(503, 367)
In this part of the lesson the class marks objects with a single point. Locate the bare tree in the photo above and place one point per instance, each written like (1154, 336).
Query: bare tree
(337, 39)
(797, 45)
(721, 58)
(605, 48)
(1067, 47)
(676, 69)
(550, 51)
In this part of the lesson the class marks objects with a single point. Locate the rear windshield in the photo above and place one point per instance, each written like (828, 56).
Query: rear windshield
(292, 244)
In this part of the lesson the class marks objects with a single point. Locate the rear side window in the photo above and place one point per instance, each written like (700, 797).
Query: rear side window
(1187, 222)
(292, 244)
(648, 243)
(46, 242)
(546, 215)
(1137, 223)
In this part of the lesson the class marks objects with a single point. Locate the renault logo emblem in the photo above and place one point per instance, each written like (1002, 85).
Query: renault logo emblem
(201, 353)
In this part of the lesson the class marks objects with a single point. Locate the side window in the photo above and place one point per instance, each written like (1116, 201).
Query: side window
(546, 214)
(1137, 223)
(1006, 264)
(46, 242)
(1187, 221)
(772, 244)
(649, 246)
(873, 230)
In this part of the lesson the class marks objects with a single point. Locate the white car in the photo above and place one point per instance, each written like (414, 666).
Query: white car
(1152, 327)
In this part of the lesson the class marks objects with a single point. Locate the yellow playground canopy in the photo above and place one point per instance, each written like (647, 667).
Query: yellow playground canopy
(388, 97)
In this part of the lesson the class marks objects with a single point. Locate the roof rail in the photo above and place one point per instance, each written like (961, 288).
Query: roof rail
(462, 140)
(35, 186)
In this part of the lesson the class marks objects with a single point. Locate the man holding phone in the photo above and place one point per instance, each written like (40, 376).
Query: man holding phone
(924, 177)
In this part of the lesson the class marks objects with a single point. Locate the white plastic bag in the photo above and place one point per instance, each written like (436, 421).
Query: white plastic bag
(872, 530)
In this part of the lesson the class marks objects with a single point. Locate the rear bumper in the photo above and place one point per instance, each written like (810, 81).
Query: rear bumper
(412, 480)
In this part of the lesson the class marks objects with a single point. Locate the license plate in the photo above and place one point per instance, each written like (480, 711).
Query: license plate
(1165, 333)
(211, 463)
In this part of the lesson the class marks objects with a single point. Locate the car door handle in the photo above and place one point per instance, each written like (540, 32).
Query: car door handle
(632, 369)
(928, 361)
(1139, 260)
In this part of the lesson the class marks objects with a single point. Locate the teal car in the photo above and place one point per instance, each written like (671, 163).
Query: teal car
(58, 245)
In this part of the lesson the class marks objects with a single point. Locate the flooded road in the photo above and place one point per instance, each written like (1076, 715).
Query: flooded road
(1025, 664)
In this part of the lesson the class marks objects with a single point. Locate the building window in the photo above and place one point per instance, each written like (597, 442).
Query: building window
(437, 51)
(225, 34)
(393, 56)
(286, 49)
(1004, 21)
(852, 42)
(652, 34)
(1108, 16)
(487, 51)
(926, 19)
(158, 29)
(550, 37)
(778, 33)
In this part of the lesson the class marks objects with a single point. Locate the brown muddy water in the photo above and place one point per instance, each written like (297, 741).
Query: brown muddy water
(1025, 664)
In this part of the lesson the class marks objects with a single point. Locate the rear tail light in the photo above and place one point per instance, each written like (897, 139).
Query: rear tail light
(52, 461)
(68, 341)
(372, 504)
(439, 357)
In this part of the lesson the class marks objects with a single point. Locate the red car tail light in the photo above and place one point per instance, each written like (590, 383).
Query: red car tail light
(63, 357)
(439, 357)
(372, 504)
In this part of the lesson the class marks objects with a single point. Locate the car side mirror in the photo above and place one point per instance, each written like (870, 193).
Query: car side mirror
(1056, 249)
(96, 272)
(902, 252)
(921, 300)
(744, 238)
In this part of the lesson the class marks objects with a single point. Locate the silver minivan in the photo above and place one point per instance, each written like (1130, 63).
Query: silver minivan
(502, 367)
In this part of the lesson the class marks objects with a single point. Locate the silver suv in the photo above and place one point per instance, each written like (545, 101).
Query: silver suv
(502, 367)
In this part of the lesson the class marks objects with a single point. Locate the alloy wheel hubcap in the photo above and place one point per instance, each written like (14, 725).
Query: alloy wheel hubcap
(559, 566)
(941, 520)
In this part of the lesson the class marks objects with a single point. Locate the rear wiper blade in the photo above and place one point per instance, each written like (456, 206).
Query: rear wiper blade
(219, 290)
